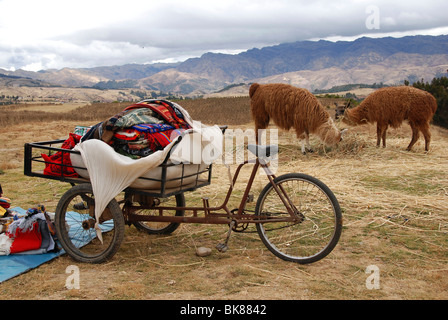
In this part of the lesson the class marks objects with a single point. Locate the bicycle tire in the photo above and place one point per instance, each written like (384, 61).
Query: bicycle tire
(304, 241)
(160, 227)
(75, 226)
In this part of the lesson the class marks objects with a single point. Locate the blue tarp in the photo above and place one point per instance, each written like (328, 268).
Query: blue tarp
(16, 264)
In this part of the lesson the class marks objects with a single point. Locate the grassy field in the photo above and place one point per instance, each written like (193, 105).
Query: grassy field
(394, 203)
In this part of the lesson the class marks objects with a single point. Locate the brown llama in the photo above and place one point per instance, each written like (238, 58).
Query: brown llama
(390, 106)
(292, 107)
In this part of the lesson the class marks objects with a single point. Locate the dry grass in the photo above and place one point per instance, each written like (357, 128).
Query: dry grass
(395, 208)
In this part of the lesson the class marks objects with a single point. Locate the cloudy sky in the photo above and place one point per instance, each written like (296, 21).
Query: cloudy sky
(44, 34)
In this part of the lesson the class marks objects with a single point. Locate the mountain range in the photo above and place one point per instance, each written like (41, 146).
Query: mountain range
(309, 64)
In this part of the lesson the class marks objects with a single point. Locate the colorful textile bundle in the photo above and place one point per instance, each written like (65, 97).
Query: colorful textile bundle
(5, 203)
(141, 129)
(32, 234)
(136, 143)
(138, 131)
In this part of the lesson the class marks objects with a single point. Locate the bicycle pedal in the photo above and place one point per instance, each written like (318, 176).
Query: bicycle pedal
(222, 247)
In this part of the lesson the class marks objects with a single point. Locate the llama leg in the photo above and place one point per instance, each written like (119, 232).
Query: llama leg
(261, 123)
(427, 134)
(305, 139)
(381, 134)
(378, 135)
(415, 135)
(384, 136)
(303, 147)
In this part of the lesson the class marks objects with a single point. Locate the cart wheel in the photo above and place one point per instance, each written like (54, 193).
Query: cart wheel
(152, 227)
(318, 224)
(75, 226)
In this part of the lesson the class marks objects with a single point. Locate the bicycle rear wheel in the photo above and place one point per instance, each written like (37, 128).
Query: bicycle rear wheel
(75, 226)
(177, 201)
(318, 224)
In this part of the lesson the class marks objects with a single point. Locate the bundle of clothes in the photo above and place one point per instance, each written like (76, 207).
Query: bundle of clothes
(5, 202)
(138, 131)
(30, 233)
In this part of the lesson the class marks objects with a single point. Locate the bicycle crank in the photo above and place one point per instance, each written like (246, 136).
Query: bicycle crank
(239, 227)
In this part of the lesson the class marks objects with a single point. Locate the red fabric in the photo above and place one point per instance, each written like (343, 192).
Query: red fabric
(24, 241)
(163, 138)
(53, 163)
(129, 134)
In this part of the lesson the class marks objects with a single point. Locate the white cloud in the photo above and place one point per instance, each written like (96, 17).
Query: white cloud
(86, 33)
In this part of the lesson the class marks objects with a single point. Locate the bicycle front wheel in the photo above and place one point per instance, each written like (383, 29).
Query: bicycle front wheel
(315, 227)
(75, 226)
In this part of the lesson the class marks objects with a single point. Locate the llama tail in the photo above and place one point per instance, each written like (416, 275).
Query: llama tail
(253, 88)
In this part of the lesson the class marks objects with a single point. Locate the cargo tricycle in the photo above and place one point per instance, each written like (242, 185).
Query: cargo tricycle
(297, 217)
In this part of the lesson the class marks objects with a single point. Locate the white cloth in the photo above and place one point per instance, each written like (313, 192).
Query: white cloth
(110, 172)
(5, 244)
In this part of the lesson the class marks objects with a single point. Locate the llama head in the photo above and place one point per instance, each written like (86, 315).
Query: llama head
(354, 117)
(350, 116)
(340, 109)
(330, 134)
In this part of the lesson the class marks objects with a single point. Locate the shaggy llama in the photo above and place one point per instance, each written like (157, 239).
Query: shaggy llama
(292, 107)
(390, 106)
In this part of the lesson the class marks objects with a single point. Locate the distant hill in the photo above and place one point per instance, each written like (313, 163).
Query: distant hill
(16, 81)
(315, 65)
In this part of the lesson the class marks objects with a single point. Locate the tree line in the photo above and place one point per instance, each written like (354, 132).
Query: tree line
(438, 87)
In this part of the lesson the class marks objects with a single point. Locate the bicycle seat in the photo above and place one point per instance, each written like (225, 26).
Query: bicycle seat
(263, 152)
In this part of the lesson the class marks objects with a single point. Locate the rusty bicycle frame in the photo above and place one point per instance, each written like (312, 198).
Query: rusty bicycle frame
(210, 214)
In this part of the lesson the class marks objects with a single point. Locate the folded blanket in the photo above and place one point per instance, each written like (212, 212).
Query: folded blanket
(137, 116)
